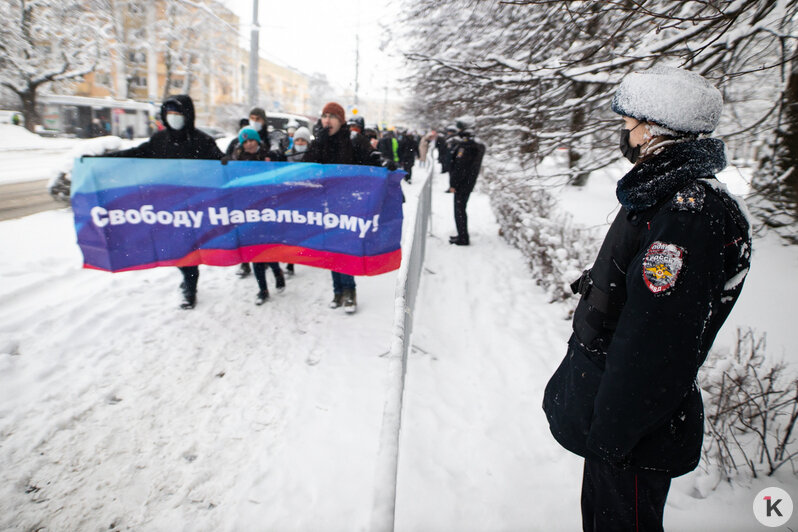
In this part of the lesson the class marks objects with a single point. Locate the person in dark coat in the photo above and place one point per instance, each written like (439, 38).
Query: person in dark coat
(444, 145)
(250, 148)
(178, 140)
(407, 150)
(666, 277)
(257, 121)
(467, 154)
(333, 145)
(388, 146)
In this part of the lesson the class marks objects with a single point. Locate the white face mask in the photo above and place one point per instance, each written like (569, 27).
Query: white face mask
(176, 122)
(257, 126)
(300, 148)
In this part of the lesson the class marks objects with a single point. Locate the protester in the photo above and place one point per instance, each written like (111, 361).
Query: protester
(466, 162)
(407, 149)
(333, 145)
(427, 141)
(179, 140)
(301, 142)
(250, 148)
(665, 279)
(388, 146)
(257, 121)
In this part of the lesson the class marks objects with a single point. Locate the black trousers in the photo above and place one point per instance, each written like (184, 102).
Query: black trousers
(190, 278)
(460, 216)
(618, 500)
(259, 268)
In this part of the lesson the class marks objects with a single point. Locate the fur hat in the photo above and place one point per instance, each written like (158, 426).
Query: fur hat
(247, 134)
(677, 99)
(335, 109)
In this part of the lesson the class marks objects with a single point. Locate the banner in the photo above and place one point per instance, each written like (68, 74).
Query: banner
(133, 214)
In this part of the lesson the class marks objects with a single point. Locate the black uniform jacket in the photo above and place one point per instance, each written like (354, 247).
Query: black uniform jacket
(666, 277)
(186, 143)
(466, 160)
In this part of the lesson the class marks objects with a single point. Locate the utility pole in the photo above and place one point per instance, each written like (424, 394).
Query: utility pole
(357, 63)
(253, 57)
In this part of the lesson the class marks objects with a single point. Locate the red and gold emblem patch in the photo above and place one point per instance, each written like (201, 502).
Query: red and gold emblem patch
(661, 266)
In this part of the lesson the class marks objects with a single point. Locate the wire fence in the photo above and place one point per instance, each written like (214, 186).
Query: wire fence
(407, 282)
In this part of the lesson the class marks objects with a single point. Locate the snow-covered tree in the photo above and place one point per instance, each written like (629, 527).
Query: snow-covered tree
(540, 73)
(46, 41)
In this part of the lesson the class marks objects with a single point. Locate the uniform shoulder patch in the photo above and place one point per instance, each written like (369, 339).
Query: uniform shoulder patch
(661, 266)
(690, 198)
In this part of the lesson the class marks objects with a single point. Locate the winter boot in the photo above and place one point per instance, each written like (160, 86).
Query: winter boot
(289, 269)
(338, 300)
(189, 300)
(279, 280)
(350, 301)
(261, 298)
(459, 241)
(244, 270)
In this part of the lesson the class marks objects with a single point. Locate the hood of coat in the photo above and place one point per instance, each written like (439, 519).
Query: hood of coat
(185, 105)
(660, 176)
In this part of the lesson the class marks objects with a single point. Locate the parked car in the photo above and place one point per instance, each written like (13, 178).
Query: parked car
(280, 121)
(60, 182)
(214, 132)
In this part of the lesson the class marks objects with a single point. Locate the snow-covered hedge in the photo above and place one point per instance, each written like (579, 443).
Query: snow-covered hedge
(557, 250)
(751, 409)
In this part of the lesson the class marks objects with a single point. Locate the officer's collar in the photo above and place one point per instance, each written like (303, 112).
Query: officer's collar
(659, 177)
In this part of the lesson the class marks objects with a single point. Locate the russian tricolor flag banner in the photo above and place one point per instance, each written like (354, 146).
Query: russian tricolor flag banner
(132, 214)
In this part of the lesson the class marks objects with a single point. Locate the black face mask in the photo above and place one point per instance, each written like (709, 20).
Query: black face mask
(631, 154)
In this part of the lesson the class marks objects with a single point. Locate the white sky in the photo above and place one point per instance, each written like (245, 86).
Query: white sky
(319, 36)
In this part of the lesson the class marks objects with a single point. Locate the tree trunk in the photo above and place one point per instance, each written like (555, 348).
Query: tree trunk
(577, 123)
(29, 111)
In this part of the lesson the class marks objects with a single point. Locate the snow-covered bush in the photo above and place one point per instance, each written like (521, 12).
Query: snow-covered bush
(751, 407)
(557, 250)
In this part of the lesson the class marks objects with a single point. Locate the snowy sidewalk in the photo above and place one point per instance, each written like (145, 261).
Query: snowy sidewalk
(476, 453)
(475, 450)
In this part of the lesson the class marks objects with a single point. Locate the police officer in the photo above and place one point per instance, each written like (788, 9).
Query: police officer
(466, 153)
(179, 140)
(666, 277)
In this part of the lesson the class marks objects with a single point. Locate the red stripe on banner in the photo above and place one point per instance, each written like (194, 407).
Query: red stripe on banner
(339, 262)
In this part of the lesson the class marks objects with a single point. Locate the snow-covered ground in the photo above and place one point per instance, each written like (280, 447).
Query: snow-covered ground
(119, 411)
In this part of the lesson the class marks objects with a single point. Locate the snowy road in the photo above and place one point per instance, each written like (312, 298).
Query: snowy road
(116, 408)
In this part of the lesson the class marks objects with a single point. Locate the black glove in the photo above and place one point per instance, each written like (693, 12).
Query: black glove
(225, 159)
(391, 165)
(323, 135)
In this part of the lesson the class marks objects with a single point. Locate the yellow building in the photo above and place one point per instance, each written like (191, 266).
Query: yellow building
(213, 70)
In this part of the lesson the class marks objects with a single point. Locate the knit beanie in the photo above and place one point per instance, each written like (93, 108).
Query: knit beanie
(677, 99)
(247, 134)
(260, 113)
(335, 109)
(302, 133)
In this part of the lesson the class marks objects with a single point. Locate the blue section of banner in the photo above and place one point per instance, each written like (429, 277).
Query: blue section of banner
(139, 213)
